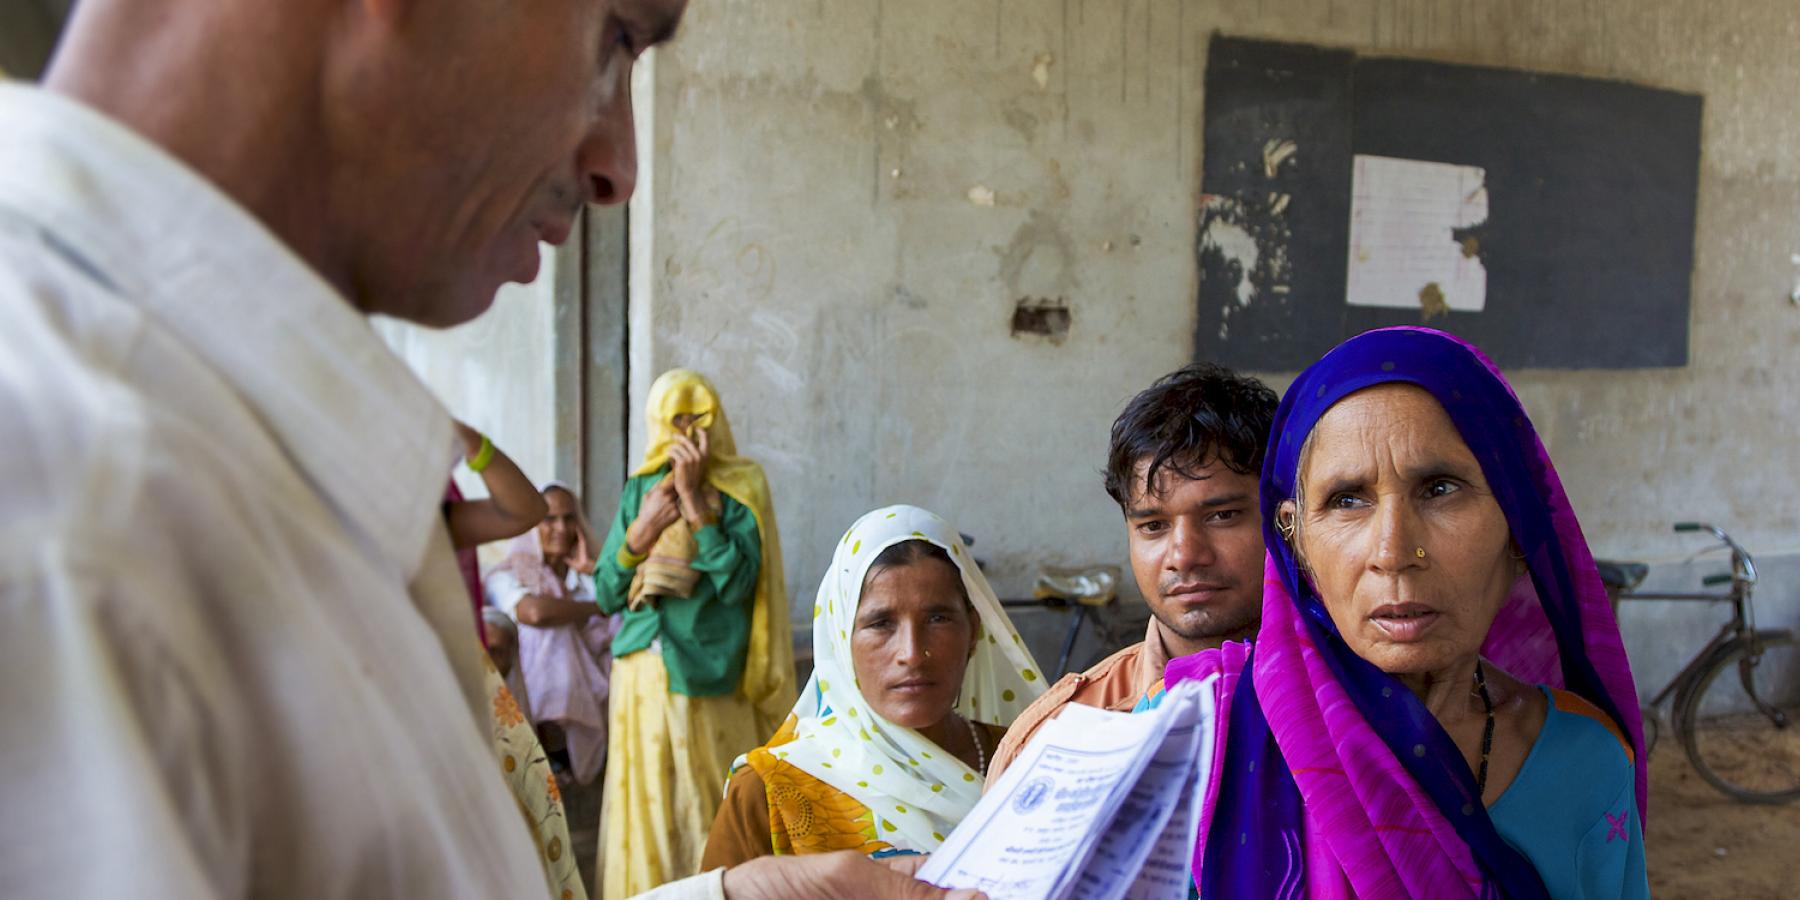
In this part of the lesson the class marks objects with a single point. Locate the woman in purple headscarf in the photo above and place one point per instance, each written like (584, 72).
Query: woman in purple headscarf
(1437, 703)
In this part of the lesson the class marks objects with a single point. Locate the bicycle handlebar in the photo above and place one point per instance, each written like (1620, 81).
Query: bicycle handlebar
(1744, 568)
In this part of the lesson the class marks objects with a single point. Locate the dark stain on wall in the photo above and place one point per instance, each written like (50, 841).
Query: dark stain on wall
(1042, 317)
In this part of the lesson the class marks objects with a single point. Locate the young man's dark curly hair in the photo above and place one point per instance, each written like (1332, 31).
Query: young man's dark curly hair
(1186, 420)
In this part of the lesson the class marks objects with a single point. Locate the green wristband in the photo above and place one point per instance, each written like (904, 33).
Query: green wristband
(483, 456)
(629, 560)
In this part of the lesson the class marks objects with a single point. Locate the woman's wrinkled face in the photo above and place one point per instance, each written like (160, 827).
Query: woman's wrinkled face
(1388, 476)
(556, 534)
(914, 635)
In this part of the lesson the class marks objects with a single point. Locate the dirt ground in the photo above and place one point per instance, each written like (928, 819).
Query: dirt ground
(1704, 844)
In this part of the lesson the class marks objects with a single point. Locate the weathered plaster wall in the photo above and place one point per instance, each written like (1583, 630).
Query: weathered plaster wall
(851, 197)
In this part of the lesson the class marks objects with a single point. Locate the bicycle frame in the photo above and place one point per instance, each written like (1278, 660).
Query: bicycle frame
(1737, 640)
(1699, 663)
(1741, 627)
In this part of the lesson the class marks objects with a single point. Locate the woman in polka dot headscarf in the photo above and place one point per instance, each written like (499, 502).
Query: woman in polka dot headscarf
(916, 673)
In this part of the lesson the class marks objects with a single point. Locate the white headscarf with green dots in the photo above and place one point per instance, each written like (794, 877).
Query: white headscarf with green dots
(916, 791)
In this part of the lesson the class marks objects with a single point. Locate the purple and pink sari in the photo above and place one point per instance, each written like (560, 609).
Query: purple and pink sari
(1331, 778)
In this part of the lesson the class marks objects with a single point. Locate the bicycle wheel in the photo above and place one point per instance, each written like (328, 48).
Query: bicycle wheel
(1740, 721)
(1653, 728)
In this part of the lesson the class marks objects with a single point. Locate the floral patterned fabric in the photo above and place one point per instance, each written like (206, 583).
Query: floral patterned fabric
(534, 786)
(807, 815)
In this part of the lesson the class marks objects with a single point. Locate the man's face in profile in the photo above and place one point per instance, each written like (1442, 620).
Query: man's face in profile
(484, 126)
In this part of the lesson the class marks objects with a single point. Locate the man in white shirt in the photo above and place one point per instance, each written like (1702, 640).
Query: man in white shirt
(238, 660)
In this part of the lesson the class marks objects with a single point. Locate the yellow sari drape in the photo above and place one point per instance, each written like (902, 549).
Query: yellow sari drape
(665, 774)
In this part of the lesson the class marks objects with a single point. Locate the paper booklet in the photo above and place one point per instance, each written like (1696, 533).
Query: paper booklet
(1099, 806)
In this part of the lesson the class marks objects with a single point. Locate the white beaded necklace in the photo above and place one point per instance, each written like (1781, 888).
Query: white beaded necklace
(980, 753)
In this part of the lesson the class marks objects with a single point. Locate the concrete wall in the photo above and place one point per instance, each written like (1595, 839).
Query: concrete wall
(849, 199)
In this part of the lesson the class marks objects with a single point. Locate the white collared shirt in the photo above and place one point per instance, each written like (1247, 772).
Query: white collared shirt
(236, 658)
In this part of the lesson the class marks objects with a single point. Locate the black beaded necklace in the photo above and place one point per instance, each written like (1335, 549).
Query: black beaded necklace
(1487, 731)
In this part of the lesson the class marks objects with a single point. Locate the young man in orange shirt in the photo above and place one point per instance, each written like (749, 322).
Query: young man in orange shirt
(1183, 465)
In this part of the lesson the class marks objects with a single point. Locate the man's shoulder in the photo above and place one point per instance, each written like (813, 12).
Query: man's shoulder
(1093, 687)
(75, 424)
(1112, 683)
(1107, 685)
(1115, 665)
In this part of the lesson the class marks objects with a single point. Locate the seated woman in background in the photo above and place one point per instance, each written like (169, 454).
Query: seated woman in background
(565, 642)
(1438, 702)
(894, 765)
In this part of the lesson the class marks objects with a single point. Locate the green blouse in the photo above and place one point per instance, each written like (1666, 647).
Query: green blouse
(704, 637)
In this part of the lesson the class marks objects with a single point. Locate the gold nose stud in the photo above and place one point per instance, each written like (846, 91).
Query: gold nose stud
(1420, 552)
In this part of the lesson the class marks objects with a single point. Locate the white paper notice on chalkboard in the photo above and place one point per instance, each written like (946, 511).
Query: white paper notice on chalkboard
(1404, 248)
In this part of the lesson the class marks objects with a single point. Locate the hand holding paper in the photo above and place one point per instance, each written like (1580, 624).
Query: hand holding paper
(1099, 805)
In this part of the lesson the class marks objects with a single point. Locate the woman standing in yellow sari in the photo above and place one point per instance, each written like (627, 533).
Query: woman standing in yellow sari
(703, 664)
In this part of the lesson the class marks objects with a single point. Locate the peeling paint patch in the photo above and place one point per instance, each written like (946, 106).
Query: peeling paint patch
(1041, 317)
(1275, 154)
(1040, 70)
(1239, 250)
(981, 195)
(1432, 303)
(1243, 251)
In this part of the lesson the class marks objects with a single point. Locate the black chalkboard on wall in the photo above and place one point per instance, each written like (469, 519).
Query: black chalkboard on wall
(1589, 193)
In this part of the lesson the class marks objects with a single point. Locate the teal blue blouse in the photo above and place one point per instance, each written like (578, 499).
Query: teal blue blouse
(1572, 809)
